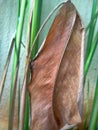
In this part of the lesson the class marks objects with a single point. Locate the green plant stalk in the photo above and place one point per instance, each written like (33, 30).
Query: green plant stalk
(90, 56)
(6, 68)
(91, 22)
(91, 46)
(26, 115)
(94, 113)
(94, 8)
(13, 100)
(87, 108)
(16, 58)
(26, 104)
(18, 103)
(24, 108)
(19, 2)
(26, 120)
(35, 24)
(91, 29)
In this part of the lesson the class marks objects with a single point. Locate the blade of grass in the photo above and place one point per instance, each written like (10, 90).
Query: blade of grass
(95, 17)
(26, 117)
(35, 24)
(17, 48)
(24, 121)
(91, 29)
(12, 107)
(18, 103)
(94, 113)
(8, 59)
(6, 68)
(87, 108)
(94, 8)
(90, 56)
(19, 2)
(22, 101)
(34, 28)
(91, 46)
(27, 105)
(23, 91)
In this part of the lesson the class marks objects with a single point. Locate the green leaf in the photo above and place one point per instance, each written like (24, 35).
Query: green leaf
(17, 48)
(94, 112)
(91, 29)
(35, 24)
(91, 53)
(26, 120)
(6, 67)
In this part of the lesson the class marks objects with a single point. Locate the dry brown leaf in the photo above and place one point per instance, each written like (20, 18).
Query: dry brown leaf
(56, 74)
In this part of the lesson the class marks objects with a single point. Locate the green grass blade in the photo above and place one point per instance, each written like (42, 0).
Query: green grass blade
(6, 68)
(86, 108)
(94, 8)
(12, 105)
(34, 28)
(19, 7)
(91, 22)
(23, 92)
(18, 103)
(22, 101)
(94, 113)
(90, 56)
(35, 24)
(91, 29)
(26, 117)
(17, 48)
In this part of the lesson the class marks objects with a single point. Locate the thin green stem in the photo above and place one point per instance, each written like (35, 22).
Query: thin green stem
(26, 120)
(18, 103)
(17, 48)
(91, 22)
(94, 113)
(6, 68)
(35, 24)
(86, 108)
(90, 56)
(12, 107)
(91, 29)
(34, 29)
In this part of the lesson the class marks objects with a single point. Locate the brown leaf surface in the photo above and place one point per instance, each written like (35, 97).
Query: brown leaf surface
(67, 81)
(55, 74)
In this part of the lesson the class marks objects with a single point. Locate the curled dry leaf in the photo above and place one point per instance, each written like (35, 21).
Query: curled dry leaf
(57, 73)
